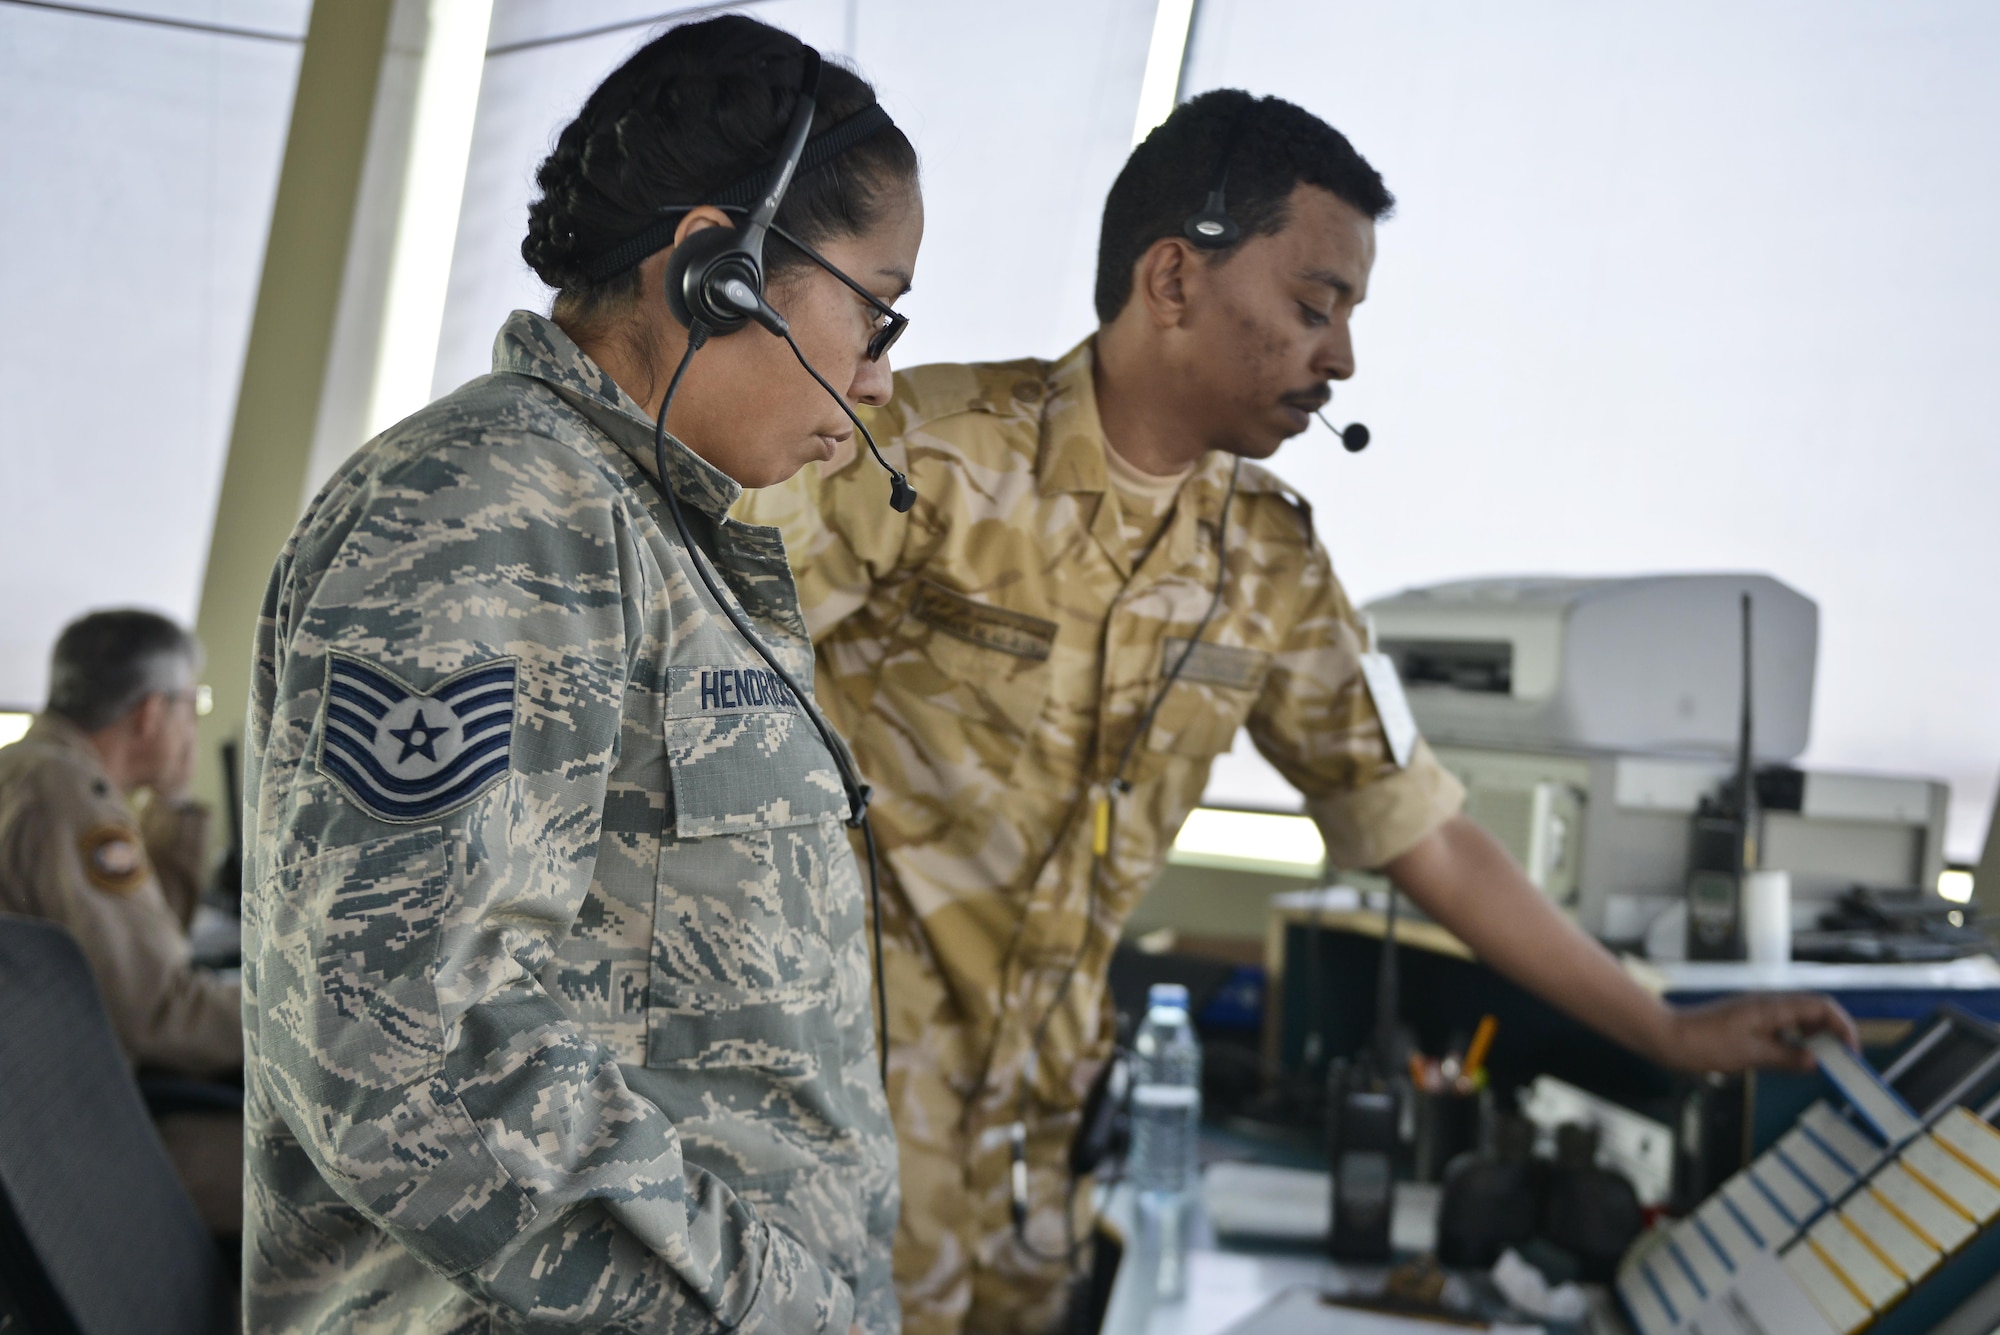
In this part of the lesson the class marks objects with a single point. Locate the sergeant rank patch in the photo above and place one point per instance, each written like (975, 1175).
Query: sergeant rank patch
(405, 756)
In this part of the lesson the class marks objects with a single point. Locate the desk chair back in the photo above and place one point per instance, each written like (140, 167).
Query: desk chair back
(97, 1235)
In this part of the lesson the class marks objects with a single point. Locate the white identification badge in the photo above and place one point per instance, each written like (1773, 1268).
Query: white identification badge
(1399, 725)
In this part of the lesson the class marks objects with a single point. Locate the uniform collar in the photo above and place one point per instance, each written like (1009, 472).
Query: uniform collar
(1073, 443)
(53, 732)
(1072, 454)
(1199, 508)
(535, 346)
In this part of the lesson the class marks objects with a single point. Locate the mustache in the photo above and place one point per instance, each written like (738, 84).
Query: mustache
(1308, 400)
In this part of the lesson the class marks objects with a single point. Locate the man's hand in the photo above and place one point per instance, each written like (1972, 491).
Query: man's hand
(176, 779)
(1747, 1032)
(173, 744)
(1462, 877)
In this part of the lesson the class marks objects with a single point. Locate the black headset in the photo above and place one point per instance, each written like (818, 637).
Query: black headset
(1210, 227)
(715, 277)
(715, 286)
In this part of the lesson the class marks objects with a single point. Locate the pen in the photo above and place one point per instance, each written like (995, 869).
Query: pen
(1482, 1040)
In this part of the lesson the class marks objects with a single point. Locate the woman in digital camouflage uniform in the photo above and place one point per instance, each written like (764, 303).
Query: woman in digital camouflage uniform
(556, 980)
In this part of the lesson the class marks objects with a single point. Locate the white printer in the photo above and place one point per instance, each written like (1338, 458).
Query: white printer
(1588, 717)
(1652, 664)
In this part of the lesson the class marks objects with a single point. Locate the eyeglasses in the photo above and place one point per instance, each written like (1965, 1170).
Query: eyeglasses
(890, 322)
(201, 697)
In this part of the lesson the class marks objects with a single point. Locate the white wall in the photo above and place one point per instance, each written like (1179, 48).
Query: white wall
(138, 164)
(1701, 286)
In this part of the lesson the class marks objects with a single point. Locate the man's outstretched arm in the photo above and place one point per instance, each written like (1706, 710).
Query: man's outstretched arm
(1461, 876)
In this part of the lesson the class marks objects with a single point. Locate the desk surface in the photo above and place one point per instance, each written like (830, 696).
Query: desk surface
(1878, 992)
(1896, 992)
(1974, 973)
(1226, 1285)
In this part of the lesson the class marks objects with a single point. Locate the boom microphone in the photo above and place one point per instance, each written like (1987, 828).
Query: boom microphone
(1354, 437)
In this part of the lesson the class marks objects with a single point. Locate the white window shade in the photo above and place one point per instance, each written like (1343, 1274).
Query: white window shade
(1021, 119)
(1690, 287)
(138, 164)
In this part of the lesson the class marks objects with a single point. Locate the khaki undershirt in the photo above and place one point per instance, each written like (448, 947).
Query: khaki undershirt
(1145, 502)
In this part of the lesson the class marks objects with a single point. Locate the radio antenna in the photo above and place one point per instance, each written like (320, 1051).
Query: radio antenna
(1745, 761)
(1387, 995)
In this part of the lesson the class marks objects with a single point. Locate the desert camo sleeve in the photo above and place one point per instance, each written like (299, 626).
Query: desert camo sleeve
(1316, 722)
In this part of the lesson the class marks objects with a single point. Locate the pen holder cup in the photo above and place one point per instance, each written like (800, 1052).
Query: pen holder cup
(1447, 1125)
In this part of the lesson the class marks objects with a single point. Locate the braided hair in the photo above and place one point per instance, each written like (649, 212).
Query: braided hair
(691, 113)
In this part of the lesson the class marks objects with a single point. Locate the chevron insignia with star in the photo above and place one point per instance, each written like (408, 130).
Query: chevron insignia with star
(405, 755)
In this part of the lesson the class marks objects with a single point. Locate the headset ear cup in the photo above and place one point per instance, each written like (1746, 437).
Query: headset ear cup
(690, 267)
(1211, 229)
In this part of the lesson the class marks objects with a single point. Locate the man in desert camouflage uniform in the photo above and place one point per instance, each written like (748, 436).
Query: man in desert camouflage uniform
(76, 850)
(556, 987)
(994, 656)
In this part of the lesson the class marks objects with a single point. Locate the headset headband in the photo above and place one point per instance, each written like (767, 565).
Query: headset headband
(1210, 227)
(821, 149)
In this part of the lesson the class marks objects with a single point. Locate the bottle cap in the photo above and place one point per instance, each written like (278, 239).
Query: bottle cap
(1167, 994)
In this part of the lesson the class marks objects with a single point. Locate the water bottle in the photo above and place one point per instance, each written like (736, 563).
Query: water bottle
(1166, 1122)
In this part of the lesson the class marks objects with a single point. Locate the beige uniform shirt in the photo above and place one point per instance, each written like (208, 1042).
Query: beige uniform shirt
(990, 656)
(73, 852)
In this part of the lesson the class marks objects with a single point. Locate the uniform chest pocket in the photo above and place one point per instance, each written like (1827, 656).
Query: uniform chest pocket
(987, 664)
(761, 768)
(757, 894)
(1210, 698)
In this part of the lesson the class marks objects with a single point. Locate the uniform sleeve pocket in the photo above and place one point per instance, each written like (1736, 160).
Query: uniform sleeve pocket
(1214, 688)
(1199, 721)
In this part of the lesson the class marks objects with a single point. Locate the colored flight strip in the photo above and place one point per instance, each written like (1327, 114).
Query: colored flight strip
(1911, 1254)
(1857, 1261)
(1934, 1218)
(1838, 1303)
(1825, 1174)
(1850, 1262)
(1880, 1106)
(1942, 1187)
(1702, 1262)
(1840, 1138)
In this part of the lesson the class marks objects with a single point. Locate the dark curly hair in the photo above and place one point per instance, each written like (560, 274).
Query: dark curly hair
(694, 111)
(1272, 145)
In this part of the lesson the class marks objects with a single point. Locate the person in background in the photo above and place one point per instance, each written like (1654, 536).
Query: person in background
(1039, 663)
(77, 849)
